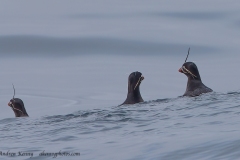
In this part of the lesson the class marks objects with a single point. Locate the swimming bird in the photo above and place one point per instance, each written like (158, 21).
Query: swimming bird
(17, 106)
(195, 87)
(134, 81)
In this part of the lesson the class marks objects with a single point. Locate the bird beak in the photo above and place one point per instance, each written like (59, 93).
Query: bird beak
(180, 70)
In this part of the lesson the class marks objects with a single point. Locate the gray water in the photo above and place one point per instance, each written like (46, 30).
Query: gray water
(70, 60)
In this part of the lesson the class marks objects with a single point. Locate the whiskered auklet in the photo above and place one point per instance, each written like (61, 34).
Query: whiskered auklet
(17, 106)
(195, 87)
(134, 81)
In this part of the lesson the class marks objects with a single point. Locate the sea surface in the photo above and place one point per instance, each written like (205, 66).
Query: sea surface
(70, 60)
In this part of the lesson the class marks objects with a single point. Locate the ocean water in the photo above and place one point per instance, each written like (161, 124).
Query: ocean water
(69, 62)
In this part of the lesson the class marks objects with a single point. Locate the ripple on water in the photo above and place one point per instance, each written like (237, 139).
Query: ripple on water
(191, 122)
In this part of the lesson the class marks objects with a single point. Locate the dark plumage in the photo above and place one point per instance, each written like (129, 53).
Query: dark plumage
(134, 81)
(18, 108)
(195, 87)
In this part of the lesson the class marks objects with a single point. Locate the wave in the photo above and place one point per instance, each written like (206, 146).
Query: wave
(40, 45)
(198, 127)
(194, 15)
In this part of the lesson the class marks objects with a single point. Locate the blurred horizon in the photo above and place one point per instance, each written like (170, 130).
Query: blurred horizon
(119, 27)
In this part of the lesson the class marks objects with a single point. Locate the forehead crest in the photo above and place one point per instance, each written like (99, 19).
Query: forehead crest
(187, 54)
